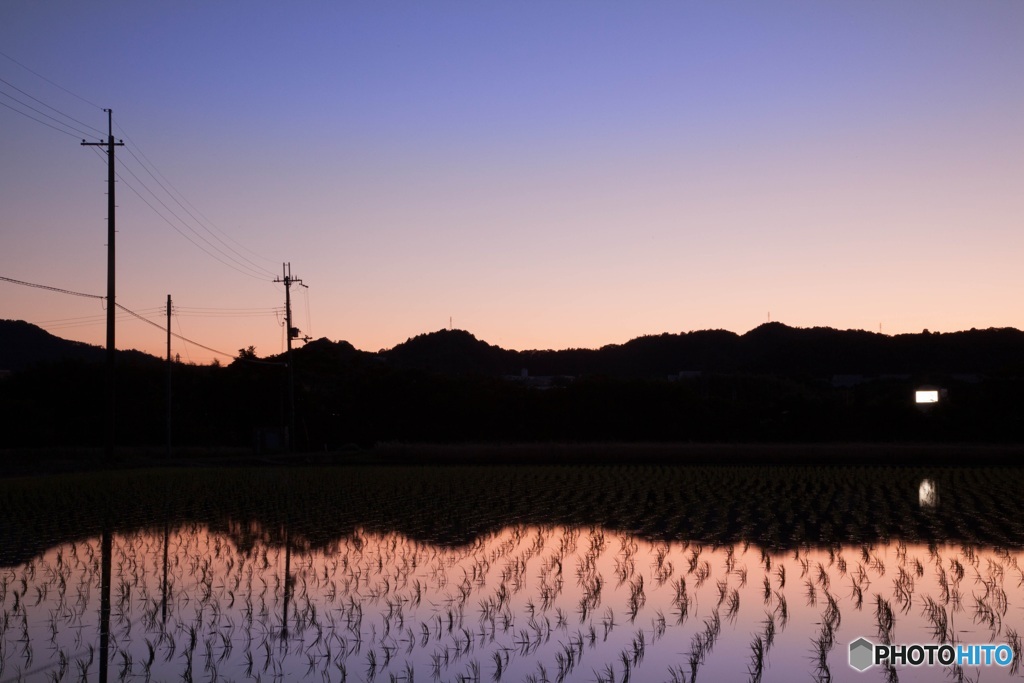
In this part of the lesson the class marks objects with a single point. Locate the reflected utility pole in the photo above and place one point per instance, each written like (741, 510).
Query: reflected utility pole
(288, 583)
(106, 550)
(111, 206)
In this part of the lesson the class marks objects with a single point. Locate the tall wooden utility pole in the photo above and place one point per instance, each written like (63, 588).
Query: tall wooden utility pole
(292, 333)
(169, 366)
(111, 206)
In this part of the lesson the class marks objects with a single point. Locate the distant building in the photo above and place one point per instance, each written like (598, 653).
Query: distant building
(928, 396)
(524, 378)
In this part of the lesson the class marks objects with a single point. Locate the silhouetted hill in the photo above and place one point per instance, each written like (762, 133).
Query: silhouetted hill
(452, 352)
(23, 345)
(772, 348)
(773, 384)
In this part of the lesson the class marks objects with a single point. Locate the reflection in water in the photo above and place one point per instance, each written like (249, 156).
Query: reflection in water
(527, 603)
(928, 493)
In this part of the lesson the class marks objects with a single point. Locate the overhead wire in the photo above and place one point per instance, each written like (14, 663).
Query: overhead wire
(214, 314)
(121, 307)
(188, 206)
(56, 85)
(48, 106)
(178, 322)
(49, 288)
(177, 336)
(237, 265)
(228, 255)
(48, 125)
(238, 261)
(96, 321)
(255, 266)
(248, 273)
(309, 323)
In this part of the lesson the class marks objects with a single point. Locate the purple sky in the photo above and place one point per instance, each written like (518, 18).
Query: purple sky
(548, 175)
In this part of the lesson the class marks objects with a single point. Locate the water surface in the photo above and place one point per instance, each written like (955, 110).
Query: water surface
(492, 573)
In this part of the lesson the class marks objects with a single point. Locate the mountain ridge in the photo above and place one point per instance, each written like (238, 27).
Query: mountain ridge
(771, 348)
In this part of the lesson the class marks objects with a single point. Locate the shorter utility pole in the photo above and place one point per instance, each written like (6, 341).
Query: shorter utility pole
(292, 333)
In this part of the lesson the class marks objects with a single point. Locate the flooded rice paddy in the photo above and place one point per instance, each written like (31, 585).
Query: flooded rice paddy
(578, 573)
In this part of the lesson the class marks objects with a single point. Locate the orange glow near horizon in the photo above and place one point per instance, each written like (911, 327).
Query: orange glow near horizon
(546, 176)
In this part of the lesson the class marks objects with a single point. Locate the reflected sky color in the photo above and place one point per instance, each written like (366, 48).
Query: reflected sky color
(548, 176)
(526, 603)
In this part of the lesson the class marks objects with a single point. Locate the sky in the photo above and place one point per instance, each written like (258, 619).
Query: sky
(545, 175)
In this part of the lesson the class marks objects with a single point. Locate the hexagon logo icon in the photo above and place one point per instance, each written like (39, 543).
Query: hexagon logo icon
(862, 654)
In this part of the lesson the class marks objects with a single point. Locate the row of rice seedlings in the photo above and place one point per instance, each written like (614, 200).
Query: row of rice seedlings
(382, 585)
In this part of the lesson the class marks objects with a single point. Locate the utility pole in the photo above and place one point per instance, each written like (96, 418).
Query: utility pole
(169, 376)
(293, 333)
(110, 144)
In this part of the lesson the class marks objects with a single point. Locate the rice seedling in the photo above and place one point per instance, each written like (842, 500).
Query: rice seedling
(658, 625)
(637, 597)
(782, 610)
(723, 588)
(822, 645)
(756, 666)
(625, 660)
(639, 646)
(608, 622)
(702, 573)
(732, 606)
(939, 621)
(1013, 640)
(884, 619)
(769, 632)
(811, 592)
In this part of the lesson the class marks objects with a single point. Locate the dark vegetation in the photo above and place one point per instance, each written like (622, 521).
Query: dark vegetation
(777, 507)
(773, 384)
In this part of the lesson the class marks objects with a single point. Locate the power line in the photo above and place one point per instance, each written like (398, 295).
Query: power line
(94, 322)
(117, 305)
(39, 75)
(182, 201)
(210, 314)
(48, 125)
(42, 113)
(178, 336)
(241, 262)
(221, 308)
(51, 289)
(82, 318)
(257, 267)
(51, 107)
(176, 229)
(187, 354)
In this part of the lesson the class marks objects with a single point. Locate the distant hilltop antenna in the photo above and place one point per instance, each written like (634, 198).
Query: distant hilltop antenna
(450, 323)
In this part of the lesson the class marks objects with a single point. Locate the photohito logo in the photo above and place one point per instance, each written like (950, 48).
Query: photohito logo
(865, 654)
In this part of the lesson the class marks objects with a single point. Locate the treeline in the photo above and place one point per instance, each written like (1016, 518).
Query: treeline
(775, 384)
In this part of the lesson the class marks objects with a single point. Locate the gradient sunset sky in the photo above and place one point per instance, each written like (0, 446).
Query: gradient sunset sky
(547, 174)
